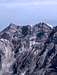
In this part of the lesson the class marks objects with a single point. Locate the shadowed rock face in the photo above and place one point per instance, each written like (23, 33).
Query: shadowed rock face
(26, 50)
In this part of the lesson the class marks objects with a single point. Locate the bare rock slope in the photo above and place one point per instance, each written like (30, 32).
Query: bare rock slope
(28, 50)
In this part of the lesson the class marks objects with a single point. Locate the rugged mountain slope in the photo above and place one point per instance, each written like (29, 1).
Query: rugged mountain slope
(28, 50)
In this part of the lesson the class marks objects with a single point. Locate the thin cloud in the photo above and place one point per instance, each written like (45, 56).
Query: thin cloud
(17, 4)
(27, 0)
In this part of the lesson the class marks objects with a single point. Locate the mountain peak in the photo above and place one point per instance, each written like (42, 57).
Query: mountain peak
(43, 23)
(11, 25)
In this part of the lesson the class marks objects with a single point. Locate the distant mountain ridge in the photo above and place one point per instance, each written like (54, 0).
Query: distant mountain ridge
(28, 50)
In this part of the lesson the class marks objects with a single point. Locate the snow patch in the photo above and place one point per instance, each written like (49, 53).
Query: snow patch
(23, 73)
(49, 25)
(31, 25)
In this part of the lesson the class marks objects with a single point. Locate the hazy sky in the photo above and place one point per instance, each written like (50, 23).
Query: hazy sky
(24, 12)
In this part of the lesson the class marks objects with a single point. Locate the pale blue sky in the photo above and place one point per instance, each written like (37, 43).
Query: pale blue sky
(22, 12)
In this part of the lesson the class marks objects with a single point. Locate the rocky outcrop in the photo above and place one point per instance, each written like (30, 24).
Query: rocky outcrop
(28, 50)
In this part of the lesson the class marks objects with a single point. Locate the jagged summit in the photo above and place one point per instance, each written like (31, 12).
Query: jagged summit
(28, 50)
(13, 29)
(40, 24)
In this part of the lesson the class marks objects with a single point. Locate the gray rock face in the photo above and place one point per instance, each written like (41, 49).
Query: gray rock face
(26, 50)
